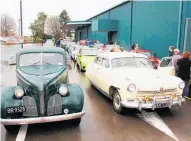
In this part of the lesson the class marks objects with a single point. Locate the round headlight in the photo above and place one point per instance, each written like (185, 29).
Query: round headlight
(131, 88)
(182, 85)
(19, 92)
(63, 90)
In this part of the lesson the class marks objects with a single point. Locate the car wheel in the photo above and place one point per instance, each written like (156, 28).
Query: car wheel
(12, 128)
(117, 102)
(76, 122)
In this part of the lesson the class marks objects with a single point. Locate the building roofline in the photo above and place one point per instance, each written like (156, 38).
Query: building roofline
(124, 2)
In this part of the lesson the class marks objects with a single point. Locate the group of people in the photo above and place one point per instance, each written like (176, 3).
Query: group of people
(121, 49)
(182, 64)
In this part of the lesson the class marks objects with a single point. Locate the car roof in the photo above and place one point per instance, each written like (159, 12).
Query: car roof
(112, 55)
(38, 50)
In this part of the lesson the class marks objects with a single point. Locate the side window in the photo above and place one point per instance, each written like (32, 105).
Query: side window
(166, 62)
(98, 60)
(105, 63)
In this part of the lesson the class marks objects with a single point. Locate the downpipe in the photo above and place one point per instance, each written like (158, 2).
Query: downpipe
(179, 24)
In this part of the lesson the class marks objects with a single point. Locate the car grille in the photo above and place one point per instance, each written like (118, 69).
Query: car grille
(31, 109)
(152, 94)
(54, 105)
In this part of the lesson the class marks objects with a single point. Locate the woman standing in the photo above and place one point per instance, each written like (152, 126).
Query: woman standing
(184, 65)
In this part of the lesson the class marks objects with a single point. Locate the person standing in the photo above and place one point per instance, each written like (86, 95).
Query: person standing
(171, 51)
(184, 65)
(121, 49)
(175, 58)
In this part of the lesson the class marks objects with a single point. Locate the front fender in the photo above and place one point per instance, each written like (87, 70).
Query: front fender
(8, 99)
(74, 100)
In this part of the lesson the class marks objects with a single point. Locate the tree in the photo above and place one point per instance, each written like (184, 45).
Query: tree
(53, 27)
(8, 25)
(64, 18)
(37, 27)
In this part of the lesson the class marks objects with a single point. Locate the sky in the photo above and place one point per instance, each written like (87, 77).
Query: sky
(77, 9)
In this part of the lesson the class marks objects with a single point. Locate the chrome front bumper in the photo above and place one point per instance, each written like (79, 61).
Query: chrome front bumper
(41, 119)
(150, 105)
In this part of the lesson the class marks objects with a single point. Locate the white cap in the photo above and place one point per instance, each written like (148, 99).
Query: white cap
(176, 50)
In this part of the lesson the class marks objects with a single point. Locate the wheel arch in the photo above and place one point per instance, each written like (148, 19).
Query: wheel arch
(112, 89)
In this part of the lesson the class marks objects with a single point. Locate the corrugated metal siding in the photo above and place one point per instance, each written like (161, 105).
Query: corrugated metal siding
(155, 25)
(123, 14)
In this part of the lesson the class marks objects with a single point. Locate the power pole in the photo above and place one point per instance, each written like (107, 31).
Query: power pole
(21, 18)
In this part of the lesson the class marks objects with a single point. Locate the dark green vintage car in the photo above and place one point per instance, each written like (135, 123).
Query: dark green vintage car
(43, 93)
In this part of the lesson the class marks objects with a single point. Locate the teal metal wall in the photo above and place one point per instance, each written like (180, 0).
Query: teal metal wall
(123, 15)
(154, 25)
(157, 27)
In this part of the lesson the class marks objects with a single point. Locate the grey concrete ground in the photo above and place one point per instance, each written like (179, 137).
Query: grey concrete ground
(102, 123)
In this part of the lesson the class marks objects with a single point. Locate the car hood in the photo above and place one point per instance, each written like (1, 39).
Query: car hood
(149, 79)
(87, 59)
(33, 77)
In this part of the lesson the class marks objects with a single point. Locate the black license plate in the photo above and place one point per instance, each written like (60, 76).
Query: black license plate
(161, 105)
(13, 110)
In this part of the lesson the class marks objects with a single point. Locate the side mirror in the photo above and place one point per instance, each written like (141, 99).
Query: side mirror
(11, 57)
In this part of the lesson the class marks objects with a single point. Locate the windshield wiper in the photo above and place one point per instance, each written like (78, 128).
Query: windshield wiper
(143, 63)
(39, 62)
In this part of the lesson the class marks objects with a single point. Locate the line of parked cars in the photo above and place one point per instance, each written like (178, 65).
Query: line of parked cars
(43, 92)
(129, 78)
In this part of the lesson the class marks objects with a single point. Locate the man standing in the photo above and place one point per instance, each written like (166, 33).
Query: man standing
(175, 58)
(184, 65)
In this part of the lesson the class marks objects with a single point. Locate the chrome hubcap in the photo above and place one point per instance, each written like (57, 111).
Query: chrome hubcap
(117, 101)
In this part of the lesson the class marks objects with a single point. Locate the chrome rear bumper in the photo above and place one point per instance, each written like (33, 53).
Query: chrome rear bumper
(41, 119)
(150, 105)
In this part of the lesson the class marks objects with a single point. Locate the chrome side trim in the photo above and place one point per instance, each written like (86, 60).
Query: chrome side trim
(41, 94)
(41, 119)
(41, 89)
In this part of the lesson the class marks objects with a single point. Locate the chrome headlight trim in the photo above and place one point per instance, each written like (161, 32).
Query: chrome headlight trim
(182, 85)
(63, 90)
(19, 92)
(132, 88)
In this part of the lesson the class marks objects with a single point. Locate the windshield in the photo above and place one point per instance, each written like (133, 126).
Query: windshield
(89, 52)
(166, 62)
(131, 62)
(34, 59)
(147, 53)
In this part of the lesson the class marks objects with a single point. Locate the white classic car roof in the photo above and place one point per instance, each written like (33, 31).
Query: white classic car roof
(111, 55)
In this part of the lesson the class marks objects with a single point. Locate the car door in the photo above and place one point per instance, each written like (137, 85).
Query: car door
(95, 69)
(166, 66)
(104, 75)
(78, 55)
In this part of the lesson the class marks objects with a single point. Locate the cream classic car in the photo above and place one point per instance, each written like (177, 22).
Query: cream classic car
(130, 81)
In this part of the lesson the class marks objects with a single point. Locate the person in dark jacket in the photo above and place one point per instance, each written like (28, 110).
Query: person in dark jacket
(171, 51)
(184, 65)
